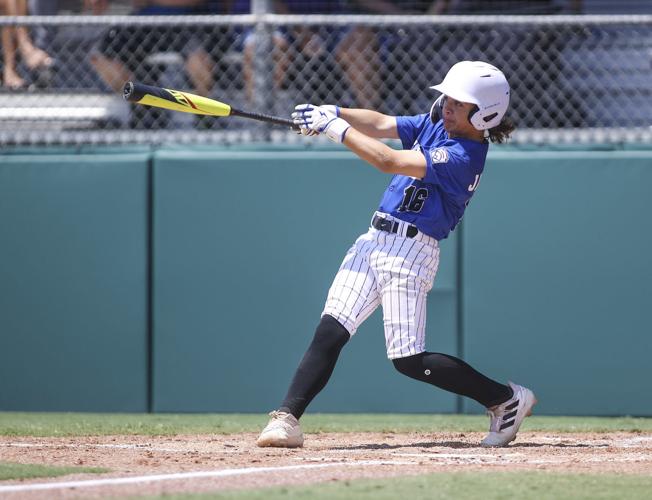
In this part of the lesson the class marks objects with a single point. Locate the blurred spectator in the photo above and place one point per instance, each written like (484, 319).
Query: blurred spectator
(387, 48)
(399, 7)
(620, 7)
(507, 7)
(123, 50)
(357, 54)
(96, 7)
(540, 69)
(42, 35)
(354, 50)
(16, 41)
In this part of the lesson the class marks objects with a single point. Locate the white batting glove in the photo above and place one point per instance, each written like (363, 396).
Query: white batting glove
(329, 107)
(332, 108)
(299, 118)
(313, 119)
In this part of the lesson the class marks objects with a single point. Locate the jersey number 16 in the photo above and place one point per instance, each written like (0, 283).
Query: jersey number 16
(413, 199)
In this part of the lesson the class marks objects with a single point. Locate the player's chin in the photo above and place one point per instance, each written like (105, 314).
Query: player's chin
(452, 130)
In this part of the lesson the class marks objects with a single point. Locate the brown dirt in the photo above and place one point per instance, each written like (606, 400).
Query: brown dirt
(337, 457)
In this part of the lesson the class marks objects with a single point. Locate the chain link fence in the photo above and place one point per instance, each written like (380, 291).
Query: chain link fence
(573, 78)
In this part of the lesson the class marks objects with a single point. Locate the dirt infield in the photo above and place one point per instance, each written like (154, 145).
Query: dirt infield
(192, 463)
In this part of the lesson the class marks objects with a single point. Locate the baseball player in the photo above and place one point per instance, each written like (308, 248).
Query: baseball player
(395, 262)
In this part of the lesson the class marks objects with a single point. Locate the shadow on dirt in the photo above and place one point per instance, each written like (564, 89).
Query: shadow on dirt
(463, 445)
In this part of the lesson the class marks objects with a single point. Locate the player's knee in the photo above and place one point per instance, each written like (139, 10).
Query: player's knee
(330, 335)
(411, 366)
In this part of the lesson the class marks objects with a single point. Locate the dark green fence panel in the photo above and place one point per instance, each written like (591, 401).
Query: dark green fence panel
(73, 282)
(246, 245)
(558, 278)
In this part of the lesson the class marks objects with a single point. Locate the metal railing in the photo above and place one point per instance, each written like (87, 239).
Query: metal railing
(573, 78)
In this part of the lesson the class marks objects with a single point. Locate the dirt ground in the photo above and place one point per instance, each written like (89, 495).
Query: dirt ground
(154, 465)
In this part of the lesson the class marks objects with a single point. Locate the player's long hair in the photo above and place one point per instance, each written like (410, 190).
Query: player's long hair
(501, 132)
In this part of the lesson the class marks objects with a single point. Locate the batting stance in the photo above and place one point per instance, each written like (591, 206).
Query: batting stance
(395, 262)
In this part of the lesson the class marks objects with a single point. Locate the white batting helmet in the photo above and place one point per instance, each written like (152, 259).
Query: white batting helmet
(479, 83)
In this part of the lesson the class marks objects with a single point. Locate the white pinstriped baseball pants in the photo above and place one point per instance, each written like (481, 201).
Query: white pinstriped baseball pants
(392, 270)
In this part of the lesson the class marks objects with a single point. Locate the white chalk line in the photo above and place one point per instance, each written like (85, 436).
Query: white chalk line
(188, 475)
(142, 447)
(138, 447)
(639, 441)
(504, 458)
(516, 458)
(642, 441)
(463, 456)
(453, 458)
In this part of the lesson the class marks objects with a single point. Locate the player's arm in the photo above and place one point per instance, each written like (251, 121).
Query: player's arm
(370, 123)
(322, 119)
(384, 158)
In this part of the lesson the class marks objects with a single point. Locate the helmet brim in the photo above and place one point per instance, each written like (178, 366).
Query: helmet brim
(455, 93)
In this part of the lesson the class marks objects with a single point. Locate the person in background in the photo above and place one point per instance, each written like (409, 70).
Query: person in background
(353, 48)
(123, 49)
(508, 7)
(43, 35)
(95, 7)
(16, 41)
(537, 70)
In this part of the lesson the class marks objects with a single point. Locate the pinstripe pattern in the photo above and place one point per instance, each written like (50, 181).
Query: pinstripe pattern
(391, 270)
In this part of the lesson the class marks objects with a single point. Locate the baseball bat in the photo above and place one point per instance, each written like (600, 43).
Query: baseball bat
(177, 100)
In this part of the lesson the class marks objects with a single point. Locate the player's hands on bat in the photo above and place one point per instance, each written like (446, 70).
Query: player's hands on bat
(331, 108)
(314, 120)
(300, 118)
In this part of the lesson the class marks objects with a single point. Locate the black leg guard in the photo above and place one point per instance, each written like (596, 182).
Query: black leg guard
(453, 375)
(316, 366)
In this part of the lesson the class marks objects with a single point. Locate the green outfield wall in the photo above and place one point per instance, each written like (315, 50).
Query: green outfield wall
(73, 282)
(171, 280)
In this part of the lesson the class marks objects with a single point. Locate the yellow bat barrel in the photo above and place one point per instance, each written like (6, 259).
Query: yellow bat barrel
(174, 100)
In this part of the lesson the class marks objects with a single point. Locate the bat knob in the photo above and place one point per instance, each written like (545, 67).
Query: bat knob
(128, 91)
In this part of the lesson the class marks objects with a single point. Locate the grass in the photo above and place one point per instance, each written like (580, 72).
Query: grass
(11, 470)
(96, 424)
(458, 486)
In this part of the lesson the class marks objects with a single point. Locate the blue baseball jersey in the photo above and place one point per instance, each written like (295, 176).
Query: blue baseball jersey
(436, 203)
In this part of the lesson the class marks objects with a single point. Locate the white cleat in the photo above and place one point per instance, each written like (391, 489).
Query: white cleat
(282, 430)
(507, 417)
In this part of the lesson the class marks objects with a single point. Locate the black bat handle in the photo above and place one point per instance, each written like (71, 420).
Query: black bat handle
(133, 91)
(265, 118)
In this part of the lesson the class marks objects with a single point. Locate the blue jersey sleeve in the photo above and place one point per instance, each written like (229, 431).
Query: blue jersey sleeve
(409, 128)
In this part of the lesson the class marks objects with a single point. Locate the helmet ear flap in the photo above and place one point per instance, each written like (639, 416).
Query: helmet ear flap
(473, 111)
(480, 122)
(437, 109)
